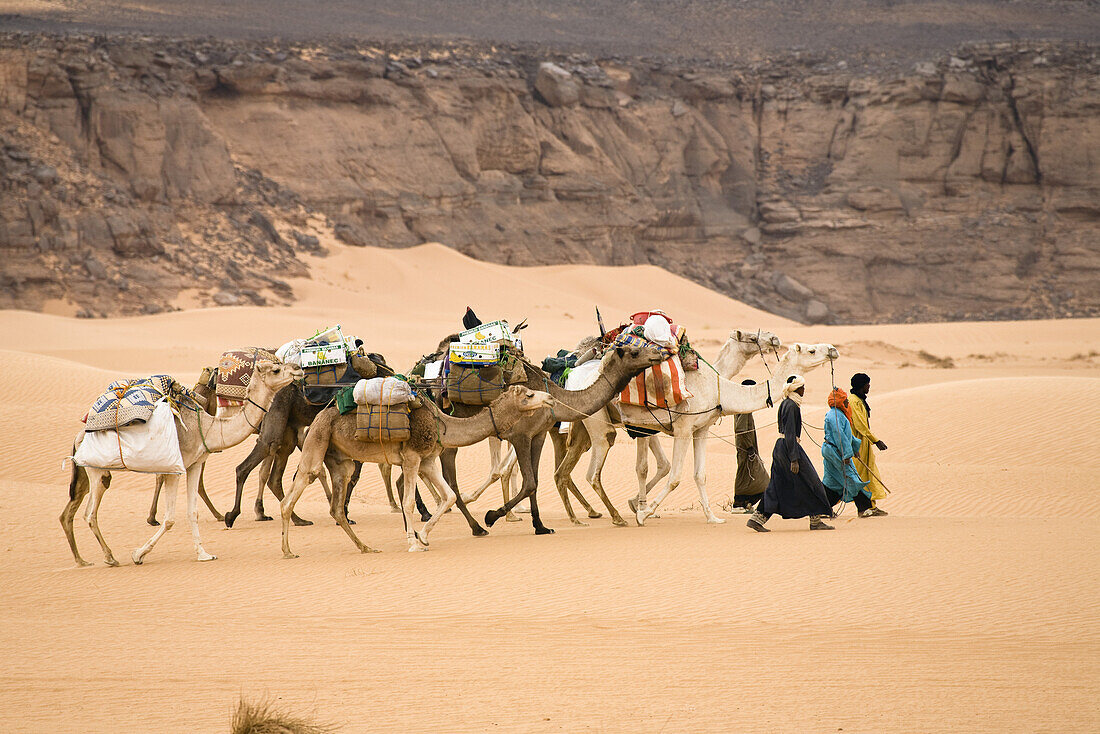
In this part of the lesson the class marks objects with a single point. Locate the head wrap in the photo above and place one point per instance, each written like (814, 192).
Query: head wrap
(793, 383)
(860, 380)
(839, 399)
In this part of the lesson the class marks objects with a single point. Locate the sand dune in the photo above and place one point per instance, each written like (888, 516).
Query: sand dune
(972, 607)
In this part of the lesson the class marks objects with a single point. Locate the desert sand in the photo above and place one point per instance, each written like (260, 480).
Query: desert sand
(975, 606)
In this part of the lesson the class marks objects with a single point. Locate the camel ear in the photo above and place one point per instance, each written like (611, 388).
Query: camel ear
(735, 335)
(519, 374)
(796, 347)
(620, 352)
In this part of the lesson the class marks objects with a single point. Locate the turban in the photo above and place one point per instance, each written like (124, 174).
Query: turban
(860, 380)
(839, 399)
(793, 383)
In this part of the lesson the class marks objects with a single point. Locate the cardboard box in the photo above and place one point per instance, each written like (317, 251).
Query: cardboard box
(474, 354)
(492, 332)
(325, 354)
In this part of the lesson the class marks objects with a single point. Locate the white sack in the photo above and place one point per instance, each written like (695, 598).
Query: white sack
(432, 370)
(580, 377)
(657, 330)
(291, 352)
(382, 391)
(152, 447)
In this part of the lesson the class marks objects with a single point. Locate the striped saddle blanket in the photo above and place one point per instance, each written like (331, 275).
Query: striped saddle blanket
(658, 387)
(132, 401)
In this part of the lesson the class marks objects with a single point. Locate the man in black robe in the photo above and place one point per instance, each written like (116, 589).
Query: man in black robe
(752, 475)
(795, 490)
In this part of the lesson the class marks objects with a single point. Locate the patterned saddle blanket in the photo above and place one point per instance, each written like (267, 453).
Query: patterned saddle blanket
(132, 401)
(235, 370)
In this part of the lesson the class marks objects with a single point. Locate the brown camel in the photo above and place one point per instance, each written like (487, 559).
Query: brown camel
(199, 434)
(331, 441)
(619, 366)
(283, 430)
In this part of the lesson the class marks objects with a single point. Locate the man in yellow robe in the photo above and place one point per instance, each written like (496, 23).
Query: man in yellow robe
(861, 427)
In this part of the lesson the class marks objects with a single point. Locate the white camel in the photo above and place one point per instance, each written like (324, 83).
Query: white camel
(199, 434)
(711, 399)
(598, 432)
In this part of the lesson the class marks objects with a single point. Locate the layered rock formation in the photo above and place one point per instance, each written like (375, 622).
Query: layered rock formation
(135, 169)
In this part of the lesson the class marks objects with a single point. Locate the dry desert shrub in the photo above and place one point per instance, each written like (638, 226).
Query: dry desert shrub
(262, 717)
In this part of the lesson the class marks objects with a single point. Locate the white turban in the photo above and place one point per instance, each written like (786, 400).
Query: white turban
(793, 384)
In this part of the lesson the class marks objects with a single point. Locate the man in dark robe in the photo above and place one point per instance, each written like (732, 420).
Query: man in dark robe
(752, 475)
(795, 490)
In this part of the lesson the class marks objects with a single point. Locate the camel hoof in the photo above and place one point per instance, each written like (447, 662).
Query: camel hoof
(365, 549)
(512, 518)
(491, 517)
(289, 556)
(153, 521)
(421, 539)
(417, 548)
(544, 531)
(137, 559)
(219, 517)
(642, 516)
(265, 518)
(230, 518)
(206, 557)
(633, 504)
(714, 520)
(299, 522)
(425, 518)
(580, 523)
(81, 563)
(479, 532)
(395, 508)
(594, 515)
(618, 522)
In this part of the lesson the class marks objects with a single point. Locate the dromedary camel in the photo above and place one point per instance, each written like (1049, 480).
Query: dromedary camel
(199, 434)
(618, 366)
(331, 442)
(598, 431)
(713, 396)
(282, 431)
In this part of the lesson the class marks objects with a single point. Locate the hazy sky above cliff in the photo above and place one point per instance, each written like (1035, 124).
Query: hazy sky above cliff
(732, 28)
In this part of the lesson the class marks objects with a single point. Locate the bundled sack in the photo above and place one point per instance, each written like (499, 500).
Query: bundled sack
(152, 447)
(323, 357)
(473, 374)
(382, 423)
(382, 391)
(127, 402)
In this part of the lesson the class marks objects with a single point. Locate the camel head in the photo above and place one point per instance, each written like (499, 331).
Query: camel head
(516, 402)
(620, 364)
(275, 375)
(754, 342)
(802, 358)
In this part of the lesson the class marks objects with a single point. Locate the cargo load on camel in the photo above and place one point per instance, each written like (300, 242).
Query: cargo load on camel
(475, 366)
(382, 409)
(323, 357)
(662, 386)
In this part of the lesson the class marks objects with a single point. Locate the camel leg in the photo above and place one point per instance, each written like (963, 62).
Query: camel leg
(503, 472)
(98, 482)
(308, 470)
(498, 472)
(265, 479)
(78, 489)
(194, 481)
(410, 468)
(152, 519)
(528, 450)
(171, 483)
(355, 474)
(601, 445)
(433, 473)
(206, 498)
(531, 491)
(260, 453)
(386, 470)
(274, 481)
(341, 472)
(679, 454)
(570, 485)
(699, 446)
(561, 475)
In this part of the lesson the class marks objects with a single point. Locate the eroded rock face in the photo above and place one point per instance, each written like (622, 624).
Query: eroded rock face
(964, 189)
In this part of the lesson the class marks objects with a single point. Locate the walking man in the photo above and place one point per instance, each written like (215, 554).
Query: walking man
(752, 475)
(861, 428)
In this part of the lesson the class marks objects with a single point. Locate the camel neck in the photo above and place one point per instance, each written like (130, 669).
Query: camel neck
(731, 360)
(223, 433)
(589, 400)
(459, 432)
(736, 398)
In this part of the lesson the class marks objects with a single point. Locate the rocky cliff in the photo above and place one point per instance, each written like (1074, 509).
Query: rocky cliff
(133, 170)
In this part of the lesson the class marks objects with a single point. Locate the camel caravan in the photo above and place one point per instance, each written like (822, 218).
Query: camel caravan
(341, 407)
